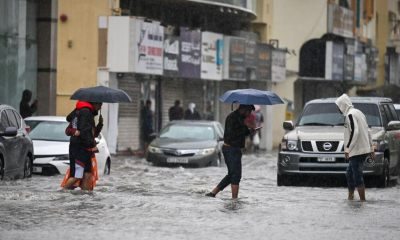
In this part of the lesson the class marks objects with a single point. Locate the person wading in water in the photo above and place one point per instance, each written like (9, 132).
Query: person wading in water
(236, 130)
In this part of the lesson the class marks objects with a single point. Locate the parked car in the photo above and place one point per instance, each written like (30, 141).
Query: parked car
(188, 143)
(397, 107)
(52, 146)
(315, 145)
(16, 148)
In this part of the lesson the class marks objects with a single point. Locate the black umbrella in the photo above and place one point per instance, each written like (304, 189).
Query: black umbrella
(101, 94)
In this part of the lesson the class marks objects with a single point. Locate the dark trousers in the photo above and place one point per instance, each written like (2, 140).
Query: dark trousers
(354, 172)
(233, 160)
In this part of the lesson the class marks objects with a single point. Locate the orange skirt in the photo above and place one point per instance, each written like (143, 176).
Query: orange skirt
(93, 178)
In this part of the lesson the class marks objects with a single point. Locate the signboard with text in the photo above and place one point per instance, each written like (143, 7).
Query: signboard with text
(251, 46)
(171, 55)
(190, 53)
(211, 67)
(234, 58)
(149, 47)
(264, 61)
(340, 20)
(278, 65)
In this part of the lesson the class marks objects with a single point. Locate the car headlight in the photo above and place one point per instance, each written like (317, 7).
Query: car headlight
(205, 151)
(62, 158)
(289, 145)
(154, 149)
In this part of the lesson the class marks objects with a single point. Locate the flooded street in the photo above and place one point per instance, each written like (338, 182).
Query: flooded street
(140, 201)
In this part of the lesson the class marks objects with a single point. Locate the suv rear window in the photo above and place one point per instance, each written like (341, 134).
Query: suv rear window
(327, 114)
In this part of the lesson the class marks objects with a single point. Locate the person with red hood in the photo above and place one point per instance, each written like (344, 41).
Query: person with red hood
(81, 145)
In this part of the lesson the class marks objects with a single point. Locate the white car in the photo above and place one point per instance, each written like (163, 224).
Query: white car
(51, 146)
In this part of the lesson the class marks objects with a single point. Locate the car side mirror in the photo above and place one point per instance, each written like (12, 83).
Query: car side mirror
(288, 125)
(220, 138)
(10, 132)
(393, 125)
(97, 141)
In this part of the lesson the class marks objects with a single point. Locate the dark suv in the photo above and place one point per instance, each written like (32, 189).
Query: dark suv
(315, 145)
(16, 148)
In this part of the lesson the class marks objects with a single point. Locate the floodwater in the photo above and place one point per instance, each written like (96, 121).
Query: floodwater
(141, 201)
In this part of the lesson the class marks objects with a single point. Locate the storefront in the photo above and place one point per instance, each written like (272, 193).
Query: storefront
(18, 50)
(165, 64)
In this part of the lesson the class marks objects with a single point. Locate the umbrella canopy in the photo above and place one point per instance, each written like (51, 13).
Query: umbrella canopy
(101, 94)
(250, 97)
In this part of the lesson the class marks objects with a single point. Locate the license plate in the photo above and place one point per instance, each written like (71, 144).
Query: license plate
(37, 169)
(177, 160)
(326, 159)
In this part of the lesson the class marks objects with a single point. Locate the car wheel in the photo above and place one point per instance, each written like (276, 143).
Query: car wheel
(107, 167)
(384, 179)
(283, 180)
(1, 169)
(28, 167)
(216, 162)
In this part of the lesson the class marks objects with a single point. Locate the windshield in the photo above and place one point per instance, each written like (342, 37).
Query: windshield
(188, 132)
(48, 131)
(327, 114)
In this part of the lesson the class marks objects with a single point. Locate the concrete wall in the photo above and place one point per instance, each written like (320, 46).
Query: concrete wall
(308, 20)
(77, 64)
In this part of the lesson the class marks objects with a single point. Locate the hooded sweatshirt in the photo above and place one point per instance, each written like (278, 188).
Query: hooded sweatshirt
(357, 136)
(82, 119)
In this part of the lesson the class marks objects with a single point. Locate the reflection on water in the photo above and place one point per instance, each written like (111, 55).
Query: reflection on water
(140, 201)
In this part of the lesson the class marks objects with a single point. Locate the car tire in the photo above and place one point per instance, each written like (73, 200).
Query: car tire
(383, 181)
(1, 169)
(28, 167)
(216, 162)
(107, 167)
(283, 180)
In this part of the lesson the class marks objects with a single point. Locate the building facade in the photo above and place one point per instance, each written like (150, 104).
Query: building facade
(27, 52)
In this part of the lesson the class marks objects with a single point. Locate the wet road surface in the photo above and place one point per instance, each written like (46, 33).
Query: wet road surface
(141, 201)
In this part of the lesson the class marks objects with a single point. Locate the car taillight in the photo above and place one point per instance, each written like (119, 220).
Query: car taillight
(28, 129)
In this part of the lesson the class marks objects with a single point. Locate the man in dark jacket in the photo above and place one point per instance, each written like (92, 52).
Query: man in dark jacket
(176, 112)
(147, 117)
(81, 147)
(24, 109)
(236, 130)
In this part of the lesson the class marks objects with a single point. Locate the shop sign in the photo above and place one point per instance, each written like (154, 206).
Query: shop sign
(190, 54)
(349, 58)
(340, 20)
(211, 67)
(149, 43)
(171, 55)
(264, 61)
(334, 61)
(278, 65)
(234, 58)
(251, 46)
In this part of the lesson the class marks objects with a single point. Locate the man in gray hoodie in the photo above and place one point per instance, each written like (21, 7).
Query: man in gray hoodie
(357, 145)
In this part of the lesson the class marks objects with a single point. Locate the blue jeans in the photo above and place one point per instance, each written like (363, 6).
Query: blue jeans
(354, 172)
(233, 160)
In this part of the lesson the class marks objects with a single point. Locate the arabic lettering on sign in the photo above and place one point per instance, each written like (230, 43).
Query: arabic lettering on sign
(210, 65)
(190, 55)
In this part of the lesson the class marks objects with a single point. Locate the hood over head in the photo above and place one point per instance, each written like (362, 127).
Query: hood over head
(344, 104)
(26, 96)
(191, 107)
(81, 104)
